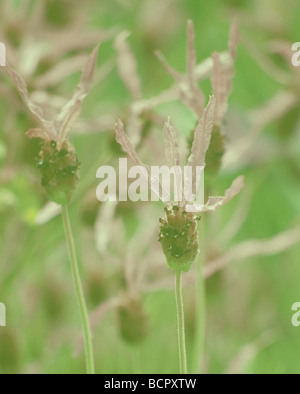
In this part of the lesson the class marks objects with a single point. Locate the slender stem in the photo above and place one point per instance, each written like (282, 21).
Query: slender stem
(181, 328)
(200, 330)
(90, 365)
(136, 361)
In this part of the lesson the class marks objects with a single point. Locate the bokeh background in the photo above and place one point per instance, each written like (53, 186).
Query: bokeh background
(255, 239)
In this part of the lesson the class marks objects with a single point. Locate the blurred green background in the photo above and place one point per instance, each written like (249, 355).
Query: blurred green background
(249, 302)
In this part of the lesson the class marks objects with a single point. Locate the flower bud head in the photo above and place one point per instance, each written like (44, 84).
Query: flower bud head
(134, 325)
(60, 171)
(179, 239)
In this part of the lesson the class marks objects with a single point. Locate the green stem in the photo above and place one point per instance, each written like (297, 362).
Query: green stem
(200, 329)
(79, 291)
(136, 361)
(181, 328)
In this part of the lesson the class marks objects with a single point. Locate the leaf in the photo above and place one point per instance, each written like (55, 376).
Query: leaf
(202, 136)
(214, 203)
(70, 113)
(234, 38)
(191, 53)
(253, 248)
(38, 133)
(193, 98)
(220, 88)
(48, 131)
(127, 146)
(69, 117)
(123, 140)
(172, 146)
(127, 66)
(188, 88)
(60, 71)
(175, 74)
(22, 88)
(223, 74)
(173, 154)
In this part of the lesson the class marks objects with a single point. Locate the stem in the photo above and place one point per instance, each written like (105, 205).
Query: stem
(181, 329)
(136, 361)
(90, 365)
(200, 331)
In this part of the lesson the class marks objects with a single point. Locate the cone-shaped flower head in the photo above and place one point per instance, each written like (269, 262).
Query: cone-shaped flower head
(179, 238)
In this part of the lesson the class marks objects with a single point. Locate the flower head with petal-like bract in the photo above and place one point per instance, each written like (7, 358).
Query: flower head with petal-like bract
(57, 160)
(178, 232)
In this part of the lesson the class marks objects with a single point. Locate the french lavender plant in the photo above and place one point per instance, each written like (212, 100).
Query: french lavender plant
(178, 233)
(222, 73)
(59, 167)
